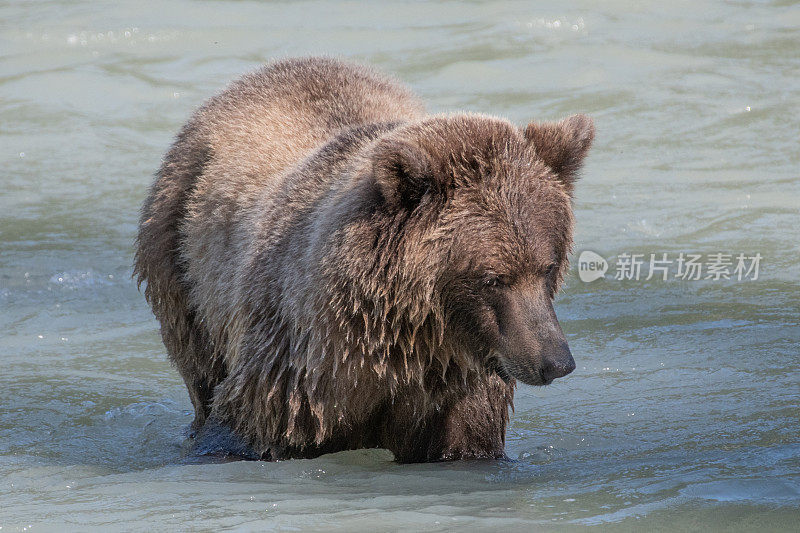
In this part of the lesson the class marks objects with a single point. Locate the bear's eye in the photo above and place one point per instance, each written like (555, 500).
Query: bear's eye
(551, 270)
(496, 280)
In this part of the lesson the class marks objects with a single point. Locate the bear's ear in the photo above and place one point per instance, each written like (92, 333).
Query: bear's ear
(562, 145)
(403, 173)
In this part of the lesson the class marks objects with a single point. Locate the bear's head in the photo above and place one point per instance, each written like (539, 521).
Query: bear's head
(480, 217)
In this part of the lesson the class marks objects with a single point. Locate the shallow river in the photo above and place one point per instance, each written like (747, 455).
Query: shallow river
(684, 410)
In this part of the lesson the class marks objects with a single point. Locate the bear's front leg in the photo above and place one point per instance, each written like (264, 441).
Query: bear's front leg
(468, 423)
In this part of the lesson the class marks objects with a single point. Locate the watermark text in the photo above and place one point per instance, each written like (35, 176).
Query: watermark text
(664, 266)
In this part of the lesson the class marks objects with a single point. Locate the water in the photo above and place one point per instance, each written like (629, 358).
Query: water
(683, 411)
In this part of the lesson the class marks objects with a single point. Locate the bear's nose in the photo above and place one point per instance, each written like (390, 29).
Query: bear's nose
(559, 364)
(551, 372)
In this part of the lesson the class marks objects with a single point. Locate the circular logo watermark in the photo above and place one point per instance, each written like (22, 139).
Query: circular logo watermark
(591, 266)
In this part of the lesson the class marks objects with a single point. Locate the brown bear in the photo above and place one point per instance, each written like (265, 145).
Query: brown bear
(335, 269)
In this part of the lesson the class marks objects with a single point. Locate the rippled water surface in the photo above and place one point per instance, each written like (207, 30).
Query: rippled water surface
(684, 409)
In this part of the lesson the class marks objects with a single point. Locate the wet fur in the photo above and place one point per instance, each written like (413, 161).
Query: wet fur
(298, 254)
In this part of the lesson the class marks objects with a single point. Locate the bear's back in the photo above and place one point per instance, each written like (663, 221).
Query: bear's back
(271, 119)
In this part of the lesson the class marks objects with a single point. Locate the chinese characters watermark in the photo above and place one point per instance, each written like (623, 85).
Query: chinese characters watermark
(682, 266)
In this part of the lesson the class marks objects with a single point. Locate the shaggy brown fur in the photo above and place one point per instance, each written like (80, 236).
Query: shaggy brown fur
(334, 269)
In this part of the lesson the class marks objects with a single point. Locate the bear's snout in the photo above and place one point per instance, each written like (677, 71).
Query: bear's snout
(531, 346)
(540, 367)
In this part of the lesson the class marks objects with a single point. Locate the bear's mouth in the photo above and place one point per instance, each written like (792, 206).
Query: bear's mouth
(499, 364)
